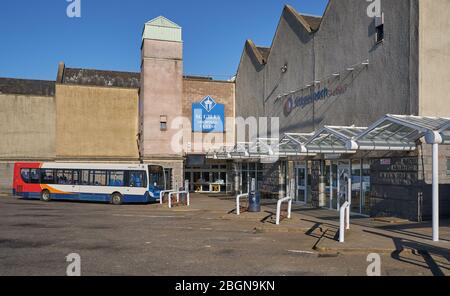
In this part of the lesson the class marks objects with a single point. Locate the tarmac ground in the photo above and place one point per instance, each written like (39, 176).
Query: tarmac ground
(207, 239)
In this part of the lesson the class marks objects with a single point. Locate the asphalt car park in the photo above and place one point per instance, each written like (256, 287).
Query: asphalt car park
(205, 239)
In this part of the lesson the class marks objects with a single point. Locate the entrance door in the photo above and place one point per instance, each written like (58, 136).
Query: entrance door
(342, 184)
(333, 187)
(302, 192)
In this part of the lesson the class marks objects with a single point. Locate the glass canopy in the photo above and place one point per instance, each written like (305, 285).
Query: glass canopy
(401, 133)
(445, 133)
(334, 139)
(392, 132)
(292, 145)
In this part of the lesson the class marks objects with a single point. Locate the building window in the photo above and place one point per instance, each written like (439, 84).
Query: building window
(163, 123)
(380, 33)
(448, 165)
(379, 28)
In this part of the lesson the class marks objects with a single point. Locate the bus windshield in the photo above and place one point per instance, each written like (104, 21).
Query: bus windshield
(156, 177)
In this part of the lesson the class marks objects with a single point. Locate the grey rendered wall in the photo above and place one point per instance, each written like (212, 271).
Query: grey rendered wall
(249, 86)
(292, 46)
(6, 176)
(346, 37)
(434, 58)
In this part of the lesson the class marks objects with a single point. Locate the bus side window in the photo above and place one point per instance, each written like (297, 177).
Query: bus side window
(63, 177)
(85, 178)
(116, 178)
(136, 179)
(47, 176)
(25, 173)
(34, 176)
(99, 178)
(76, 177)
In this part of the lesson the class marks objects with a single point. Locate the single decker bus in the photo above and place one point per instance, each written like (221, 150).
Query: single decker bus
(110, 183)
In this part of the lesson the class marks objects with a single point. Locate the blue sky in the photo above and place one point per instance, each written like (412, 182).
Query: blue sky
(36, 35)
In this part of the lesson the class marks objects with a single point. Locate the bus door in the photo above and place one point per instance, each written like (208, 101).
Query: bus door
(137, 184)
(156, 180)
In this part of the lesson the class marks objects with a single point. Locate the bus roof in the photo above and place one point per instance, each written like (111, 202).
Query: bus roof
(93, 166)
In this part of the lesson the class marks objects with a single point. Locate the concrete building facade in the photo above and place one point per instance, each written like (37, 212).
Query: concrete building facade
(103, 116)
(349, 68)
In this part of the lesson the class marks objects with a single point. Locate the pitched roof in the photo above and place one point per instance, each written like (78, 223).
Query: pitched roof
(264, 51)
(259, 53)
(27, 87)
(162, 21)
(309, 22)
(313, 21)
(101, 78)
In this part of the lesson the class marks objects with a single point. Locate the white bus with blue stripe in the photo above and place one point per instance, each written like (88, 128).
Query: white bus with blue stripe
(113, 183)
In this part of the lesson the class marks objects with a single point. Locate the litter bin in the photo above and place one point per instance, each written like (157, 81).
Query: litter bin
(254, 202)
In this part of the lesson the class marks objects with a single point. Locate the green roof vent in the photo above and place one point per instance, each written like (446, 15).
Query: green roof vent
(161, 28)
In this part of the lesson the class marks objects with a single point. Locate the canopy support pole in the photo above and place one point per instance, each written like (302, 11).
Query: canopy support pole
(435, 192)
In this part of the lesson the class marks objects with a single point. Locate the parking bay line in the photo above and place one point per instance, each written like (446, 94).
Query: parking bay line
(146, 216)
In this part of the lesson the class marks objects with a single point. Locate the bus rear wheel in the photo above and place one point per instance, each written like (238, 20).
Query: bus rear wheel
(117, 199)
(45, 196)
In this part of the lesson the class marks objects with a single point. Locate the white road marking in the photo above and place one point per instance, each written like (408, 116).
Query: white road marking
(146, 216)
(301, 252)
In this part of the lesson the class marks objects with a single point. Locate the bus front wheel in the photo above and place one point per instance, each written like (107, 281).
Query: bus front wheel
(45, 196)
(117, 199)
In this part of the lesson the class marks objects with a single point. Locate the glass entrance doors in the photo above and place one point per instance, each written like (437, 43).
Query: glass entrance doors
(331, 184)
(209, 178)
(301, 184)
(251, 171)
(337, 184)
(342, 182)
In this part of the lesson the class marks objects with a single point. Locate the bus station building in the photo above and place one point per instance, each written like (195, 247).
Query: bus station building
(328, 79)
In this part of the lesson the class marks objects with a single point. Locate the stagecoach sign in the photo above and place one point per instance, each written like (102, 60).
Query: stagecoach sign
(208, 116)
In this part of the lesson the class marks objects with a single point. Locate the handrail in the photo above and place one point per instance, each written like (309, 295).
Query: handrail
(279, 203)
(238, 202)
(178, 197)
(162, 193)
(344, 220)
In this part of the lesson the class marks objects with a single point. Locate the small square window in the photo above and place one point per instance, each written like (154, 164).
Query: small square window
(379, 28)
(380, 33)
(448, 165)
(163, 123)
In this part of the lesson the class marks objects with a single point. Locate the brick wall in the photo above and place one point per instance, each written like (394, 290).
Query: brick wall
(223, 92)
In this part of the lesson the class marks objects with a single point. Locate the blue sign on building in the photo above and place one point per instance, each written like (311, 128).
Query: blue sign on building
(208, 116)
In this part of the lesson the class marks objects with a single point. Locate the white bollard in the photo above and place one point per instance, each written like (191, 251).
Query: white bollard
(279, 203)
(238, 202)
(342, 223)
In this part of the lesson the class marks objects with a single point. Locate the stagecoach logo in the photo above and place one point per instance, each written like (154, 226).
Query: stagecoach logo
(295, 102)
(208, 103)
